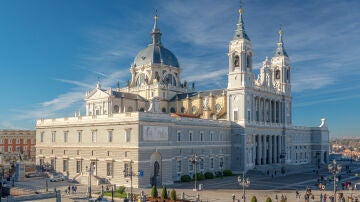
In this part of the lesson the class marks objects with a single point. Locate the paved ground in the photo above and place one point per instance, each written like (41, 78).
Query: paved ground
(222, 189)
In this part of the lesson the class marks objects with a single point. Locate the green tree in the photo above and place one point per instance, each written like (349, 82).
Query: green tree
(253, 199)
(164, 193)
(268, 199)
(154, 192)
(173, 195)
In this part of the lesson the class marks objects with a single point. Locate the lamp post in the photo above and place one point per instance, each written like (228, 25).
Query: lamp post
(194, 160)
(89, 188)
(130, 173)
(243, 181)
(335, 169)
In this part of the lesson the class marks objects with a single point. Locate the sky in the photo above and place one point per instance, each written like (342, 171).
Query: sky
(53, 52)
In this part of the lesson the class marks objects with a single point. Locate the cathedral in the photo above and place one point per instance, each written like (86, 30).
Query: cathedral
(159, 128)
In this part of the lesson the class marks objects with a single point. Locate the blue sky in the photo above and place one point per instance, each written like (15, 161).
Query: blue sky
(52, 52)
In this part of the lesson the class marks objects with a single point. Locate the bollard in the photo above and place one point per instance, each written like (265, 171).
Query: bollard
(198, 197)
(183, 196)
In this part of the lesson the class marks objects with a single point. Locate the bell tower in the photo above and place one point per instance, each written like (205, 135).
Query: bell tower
(281, 67)
(240, 57)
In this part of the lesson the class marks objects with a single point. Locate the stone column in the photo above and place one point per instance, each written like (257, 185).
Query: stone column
(275, 149)
(258, 152)
(270, 150)
(264, 149)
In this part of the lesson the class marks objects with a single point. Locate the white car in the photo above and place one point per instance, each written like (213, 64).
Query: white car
(56, 178)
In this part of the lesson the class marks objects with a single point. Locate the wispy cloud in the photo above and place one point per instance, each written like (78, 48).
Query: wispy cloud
(77, 83)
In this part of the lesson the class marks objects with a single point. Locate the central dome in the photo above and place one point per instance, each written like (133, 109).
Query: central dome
(156, 53)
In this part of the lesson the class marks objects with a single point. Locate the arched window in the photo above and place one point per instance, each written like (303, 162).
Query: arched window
(248, 61)
(163, 109)
(169, 79)
(182, 110)
(288, 74)
(116, 109)
(141, 79)
(236, 61)
(172, 110)
(277, 74)
(141, 109)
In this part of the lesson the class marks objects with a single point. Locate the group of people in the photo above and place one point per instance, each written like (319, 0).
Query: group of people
(71, 189)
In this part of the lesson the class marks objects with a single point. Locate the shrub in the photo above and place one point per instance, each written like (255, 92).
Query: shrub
(154, 192)
(227, 172)
(218, 174)
(199, 176)
(209, 175)
(164, 193)
(173, 195)
(121, 189)
(253, 199)
(268, 199)
(185, 178)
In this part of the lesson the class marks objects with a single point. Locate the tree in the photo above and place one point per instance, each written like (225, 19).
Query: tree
(253, 199)
(154, 192)
(268, 199)
(173, 195)
(164, 193)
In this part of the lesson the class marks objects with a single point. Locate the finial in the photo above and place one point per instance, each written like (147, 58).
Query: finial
(156, 16)
(240, 10)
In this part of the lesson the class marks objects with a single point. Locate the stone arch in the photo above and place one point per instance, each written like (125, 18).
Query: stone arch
(155, 169)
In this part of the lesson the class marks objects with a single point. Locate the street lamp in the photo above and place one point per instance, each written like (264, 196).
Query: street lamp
(334, 169)
(243, 181)
(194, 160)
(129, 173)
(89, 188)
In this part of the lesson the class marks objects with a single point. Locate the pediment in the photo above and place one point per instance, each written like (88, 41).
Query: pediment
(97, 94)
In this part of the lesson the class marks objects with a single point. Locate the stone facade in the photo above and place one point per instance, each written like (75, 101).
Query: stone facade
(157, 128)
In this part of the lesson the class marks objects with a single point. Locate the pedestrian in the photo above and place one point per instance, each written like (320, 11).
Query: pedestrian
(321, 197)
(75, 188)
(69, 189)
(72, 188)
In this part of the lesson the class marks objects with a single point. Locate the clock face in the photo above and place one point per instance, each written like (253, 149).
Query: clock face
(193, 109)
(217, 107)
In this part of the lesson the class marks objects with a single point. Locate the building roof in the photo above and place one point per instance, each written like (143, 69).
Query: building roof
(156, 53)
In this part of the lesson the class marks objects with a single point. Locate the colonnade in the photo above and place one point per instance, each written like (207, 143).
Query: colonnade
(268, 110)
(268, 149)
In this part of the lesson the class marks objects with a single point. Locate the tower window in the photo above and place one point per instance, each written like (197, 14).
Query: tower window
(172, 110)
(277, 74)
(163, 110)
(236, 61)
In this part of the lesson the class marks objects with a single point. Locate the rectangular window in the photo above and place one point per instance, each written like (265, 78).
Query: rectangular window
(211, 136)
(1, 141)
(40, 151)
(211, 163)
(178, 166)
(25, 141)
(93, 134)
(190, 136)
(53, 164)
(201, 164)
(127, 154)
(201, 136)
(127, 170)
(65, 165)
(109, 169)
(10, 141)
(17, 141)
(235, 115)
(10, 149)
(191, 166)
(110, 136)
(53, 136)
(66, 136)
(128, 135)
(249, 117)
(178, 136)
(79, 136)
(78, 166)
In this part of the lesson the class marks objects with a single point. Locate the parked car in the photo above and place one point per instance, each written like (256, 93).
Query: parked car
(56, 178)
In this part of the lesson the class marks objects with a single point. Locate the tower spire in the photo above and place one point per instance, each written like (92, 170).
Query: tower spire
(280, 51)
(155, 33)
(240, 30)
